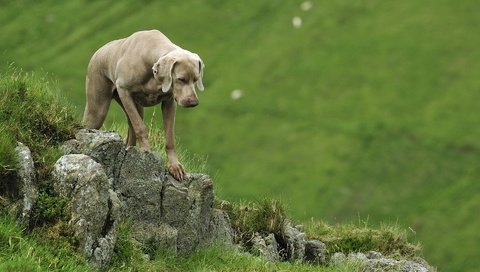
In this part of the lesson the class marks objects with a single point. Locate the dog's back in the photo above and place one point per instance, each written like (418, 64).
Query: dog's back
(141, 49)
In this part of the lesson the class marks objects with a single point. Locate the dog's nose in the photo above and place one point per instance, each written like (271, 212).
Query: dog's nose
(191, 103)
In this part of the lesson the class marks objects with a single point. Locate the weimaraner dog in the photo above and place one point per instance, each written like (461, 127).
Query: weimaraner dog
(139, 71)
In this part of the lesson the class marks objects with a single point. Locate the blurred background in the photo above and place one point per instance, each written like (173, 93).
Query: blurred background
(348, 111)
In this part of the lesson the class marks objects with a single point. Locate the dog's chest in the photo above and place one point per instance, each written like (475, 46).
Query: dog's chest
(150, 94)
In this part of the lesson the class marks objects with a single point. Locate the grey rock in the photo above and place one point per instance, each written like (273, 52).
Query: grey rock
(104, 250)
(103, 147)
(200, 192)
(161, 235)
(188, 206)
(295, 240)
(376, 262)
(338, 258)
(423, 263)
(84, 182)
(357, 256)
(220, 231)
(135, 164)
(272, 247)
(315, 252)
(373, 255)
(410, 266)
(156, 202)
(27, 188)
(266, 247)
(385, 264)
(175, 208)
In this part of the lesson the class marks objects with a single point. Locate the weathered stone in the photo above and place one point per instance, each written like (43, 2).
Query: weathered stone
(84, 181)
(104, 250)
(194, 229)
(295, 240)
(357, 256)
(272, 247)
(142, 200)
(170, 215)
(375, 262)
(137, 164)
(26, 174)
(338, 258)
(266, 247)
(103, 147)
(220, 231)
(315, 252)
(176, 204)
(373, 255)
(162, 235)
(423, 263)
(200, 191)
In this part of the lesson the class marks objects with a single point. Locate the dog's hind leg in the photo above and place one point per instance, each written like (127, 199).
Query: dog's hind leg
(99, 94)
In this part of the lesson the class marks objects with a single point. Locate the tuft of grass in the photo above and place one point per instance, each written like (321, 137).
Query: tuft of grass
(7, 154)
(125, 251)
(20, 252)
(388, 240)
(49, 208)
(31, 113)
(248, 218)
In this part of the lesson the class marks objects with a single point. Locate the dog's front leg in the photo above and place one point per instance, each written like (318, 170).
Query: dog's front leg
(135, 118)
(175, 168)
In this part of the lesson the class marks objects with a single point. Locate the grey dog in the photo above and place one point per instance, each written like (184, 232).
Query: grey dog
(139, 71)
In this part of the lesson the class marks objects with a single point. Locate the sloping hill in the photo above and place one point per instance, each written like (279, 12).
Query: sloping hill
(368, 110)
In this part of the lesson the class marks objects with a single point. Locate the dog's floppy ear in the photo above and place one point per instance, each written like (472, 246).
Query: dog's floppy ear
(162, 69)
(201, 66)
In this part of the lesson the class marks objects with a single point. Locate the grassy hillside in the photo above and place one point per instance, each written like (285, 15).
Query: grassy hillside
(30, 112)
(368, 110)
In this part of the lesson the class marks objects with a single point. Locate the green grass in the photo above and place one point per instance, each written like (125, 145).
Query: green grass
(367, 110)
(48, 249)
(388, 240)
(33, 252)
(247, 219)
(48, 245)
(20, 252)
(31, 113)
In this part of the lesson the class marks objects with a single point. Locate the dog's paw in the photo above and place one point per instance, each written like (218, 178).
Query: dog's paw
(177, 171)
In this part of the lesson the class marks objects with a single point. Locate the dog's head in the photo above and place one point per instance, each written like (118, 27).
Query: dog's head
(179, 71)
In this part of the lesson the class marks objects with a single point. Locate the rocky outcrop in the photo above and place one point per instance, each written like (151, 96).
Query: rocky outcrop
(267, 247)
(109, 183)
(292, 245)
(295, 242)
(27, 182)
(106, 183)
(316, 252)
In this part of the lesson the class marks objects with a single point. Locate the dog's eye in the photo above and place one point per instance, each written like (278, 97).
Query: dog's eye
(182, 80)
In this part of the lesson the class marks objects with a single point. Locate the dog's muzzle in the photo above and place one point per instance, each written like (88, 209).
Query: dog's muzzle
(190, 103)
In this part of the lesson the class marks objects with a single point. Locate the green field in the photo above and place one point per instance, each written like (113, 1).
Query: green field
(367, 112)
